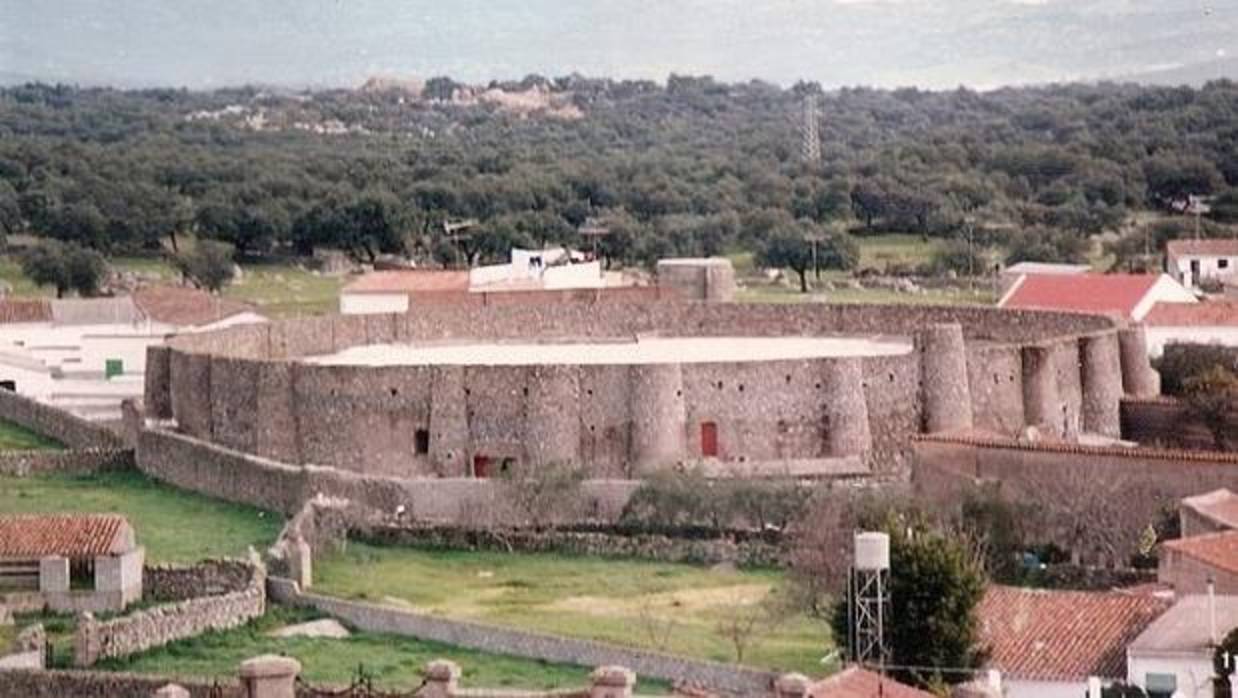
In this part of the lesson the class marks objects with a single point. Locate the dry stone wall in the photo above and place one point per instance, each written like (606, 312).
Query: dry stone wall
(94, 684)
(243, 388)
(81, 462)
(68, 429)
(159, 625)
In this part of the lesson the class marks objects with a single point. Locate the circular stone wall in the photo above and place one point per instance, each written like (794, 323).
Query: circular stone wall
(768, 389)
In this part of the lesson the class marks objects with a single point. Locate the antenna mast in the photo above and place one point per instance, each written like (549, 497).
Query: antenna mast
(810, 132)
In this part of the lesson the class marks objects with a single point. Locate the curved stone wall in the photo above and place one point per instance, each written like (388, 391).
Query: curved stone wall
(983, 368)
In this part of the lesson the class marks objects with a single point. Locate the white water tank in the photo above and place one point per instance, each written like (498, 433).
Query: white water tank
(872, 551)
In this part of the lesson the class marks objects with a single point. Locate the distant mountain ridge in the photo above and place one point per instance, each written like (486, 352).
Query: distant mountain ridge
(886, 43)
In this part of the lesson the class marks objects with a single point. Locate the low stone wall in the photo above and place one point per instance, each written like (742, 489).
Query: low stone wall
(206, 578)
(160, 625)
(68, 429)
(708, 551)
(552, 648)
(223, 473)
(82, 462)
(93, 684)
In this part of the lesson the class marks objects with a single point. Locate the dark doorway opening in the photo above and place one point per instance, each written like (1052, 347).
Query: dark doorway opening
(709, 439)
(481, 466)
(421, 442)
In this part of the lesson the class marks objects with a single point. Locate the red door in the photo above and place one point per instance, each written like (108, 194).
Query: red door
(481, 466)
(709, 439)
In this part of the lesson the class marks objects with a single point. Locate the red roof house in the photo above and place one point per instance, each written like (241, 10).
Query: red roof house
(1037, 636)
(72, 536)
(858, 682)
(1131, 296)
(1188, 564)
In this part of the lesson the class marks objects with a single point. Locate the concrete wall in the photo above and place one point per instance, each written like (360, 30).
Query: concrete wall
(553, 648)
(373, 303)
(241, 387)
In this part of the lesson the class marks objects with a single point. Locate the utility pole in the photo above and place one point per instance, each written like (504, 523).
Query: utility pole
(810, 132)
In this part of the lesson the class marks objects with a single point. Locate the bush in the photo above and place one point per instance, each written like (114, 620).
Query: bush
(1180, 362)
(208, 265)
(681, 500)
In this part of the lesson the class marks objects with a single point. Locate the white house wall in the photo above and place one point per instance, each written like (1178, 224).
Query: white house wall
(1194, 672)
(373, 303)
(1165, 290)
(588, 275)
(1044, 689)
(1209, 268)
(1160, 337)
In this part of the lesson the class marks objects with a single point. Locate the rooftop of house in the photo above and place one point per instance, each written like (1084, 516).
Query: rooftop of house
(1218, 550)
(1219, 506)
(1205, 314)
(1204, 248)
(410, 281)
(75, 536)
(185, 307)
(1084, 293)
(1049, 635)
(857, 682)
(19, 310)
(1187, 626)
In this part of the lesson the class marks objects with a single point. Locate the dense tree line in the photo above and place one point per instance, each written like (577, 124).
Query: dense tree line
(693, 167)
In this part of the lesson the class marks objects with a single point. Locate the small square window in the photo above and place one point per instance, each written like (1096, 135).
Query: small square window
(1222, 264)
(421, 442)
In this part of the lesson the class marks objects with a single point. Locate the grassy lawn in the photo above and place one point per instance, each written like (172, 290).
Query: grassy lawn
(175, 526)
(19, 438)
(393, 662)
(8, 633)
(676, 608)
(882, 251)
(286, 290)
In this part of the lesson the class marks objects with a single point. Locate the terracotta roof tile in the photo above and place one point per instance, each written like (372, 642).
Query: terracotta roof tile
(1035, 634)
(1219, 506)
(1182, 248)
(13, 310)
(409, 282)
(185, 307)
(1206, 314)
(857, 682)
(67, 535)
(1084, 293)
(1219, 550)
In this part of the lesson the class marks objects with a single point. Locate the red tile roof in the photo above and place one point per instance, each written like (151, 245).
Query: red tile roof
(67, 535)
(1083, 293)
(185, 307)
(13, 310)
(1043, 635)
(1219, 506)
(1206, 314)
(1183, 248)
(409, 282)
(857, 682)
(1219, 550)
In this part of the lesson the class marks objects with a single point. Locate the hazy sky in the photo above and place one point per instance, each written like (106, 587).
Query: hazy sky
(935, 43)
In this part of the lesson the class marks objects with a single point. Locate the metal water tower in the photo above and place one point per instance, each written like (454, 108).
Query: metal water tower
(868, 599)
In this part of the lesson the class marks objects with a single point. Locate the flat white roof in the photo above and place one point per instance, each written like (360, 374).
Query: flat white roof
(656, 350)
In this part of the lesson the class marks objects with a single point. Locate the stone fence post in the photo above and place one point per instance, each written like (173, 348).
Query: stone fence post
(86, 641)
(441, 679)
(270, 676)
(792, 686)
(612, 682)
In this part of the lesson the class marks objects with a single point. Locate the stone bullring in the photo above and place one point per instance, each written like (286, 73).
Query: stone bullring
(745, 388)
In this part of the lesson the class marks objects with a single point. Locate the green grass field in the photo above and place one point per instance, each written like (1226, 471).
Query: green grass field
(18, 438)
(175, 526)
(680, 609)
(393, 662)
(285, 290)
(8, 633)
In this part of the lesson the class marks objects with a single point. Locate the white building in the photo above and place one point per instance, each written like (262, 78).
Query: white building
(87, 355)
(1174, 653)
(1209, 322)
(1191, 262)
(396, 291)
(1130, 296)
(550, 269)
